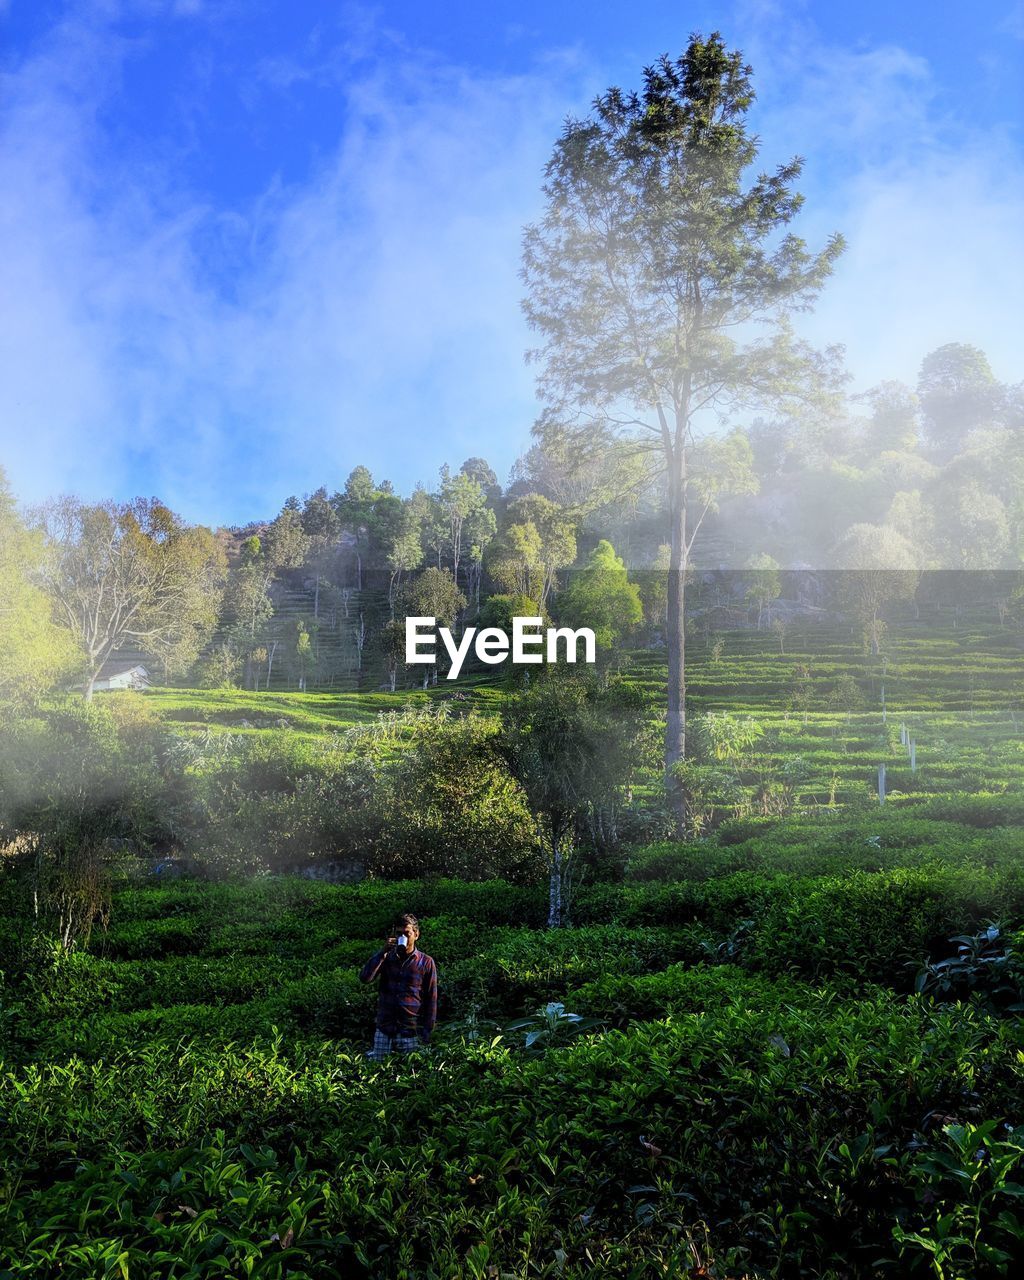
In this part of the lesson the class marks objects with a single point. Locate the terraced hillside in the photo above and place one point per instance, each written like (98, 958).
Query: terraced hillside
(789, 1048)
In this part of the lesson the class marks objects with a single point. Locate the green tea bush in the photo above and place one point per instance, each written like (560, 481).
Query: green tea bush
(974, 810)
(769, 1095)
(139, 939)
(332, 1004)
(681, 989)
(875, 842)
(794, 1123)
(878, 926)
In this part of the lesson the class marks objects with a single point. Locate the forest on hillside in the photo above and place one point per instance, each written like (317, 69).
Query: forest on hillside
(868, 503)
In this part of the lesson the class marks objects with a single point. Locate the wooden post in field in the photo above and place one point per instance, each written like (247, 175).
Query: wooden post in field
(913, 756)
(903, 735)
(881, 784)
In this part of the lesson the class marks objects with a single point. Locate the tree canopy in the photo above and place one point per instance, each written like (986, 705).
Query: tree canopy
(129, 573)
(34, 652)
(647, 275)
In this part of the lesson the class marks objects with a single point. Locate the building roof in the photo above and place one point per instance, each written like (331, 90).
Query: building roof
(119, 667)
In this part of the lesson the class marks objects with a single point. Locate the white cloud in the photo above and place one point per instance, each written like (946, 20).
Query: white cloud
(930, 208)
(934, 257)
(373, 315)
(369, 313)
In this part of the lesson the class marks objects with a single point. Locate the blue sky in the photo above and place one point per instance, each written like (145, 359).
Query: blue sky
(249, 244)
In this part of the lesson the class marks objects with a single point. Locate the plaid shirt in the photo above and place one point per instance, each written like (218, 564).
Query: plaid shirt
(408, 992)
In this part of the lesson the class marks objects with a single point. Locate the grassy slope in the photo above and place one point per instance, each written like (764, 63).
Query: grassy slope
(959, 692)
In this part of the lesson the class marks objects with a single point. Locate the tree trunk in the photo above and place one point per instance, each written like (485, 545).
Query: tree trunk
(555, 886)
(360, 643)
(675, 728)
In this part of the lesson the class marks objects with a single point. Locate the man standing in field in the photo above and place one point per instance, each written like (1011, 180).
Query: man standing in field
(407, 1003)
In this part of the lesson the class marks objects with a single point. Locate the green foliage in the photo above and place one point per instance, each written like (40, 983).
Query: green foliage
(126, 574)
(710, 792)
(983, 963)
(756, 1108)
(601, 597)
(766, 1087)
(754, 1024)
(453, 809)
(550, 1026)
(35, 654)
(653, 253)
(765, 585)
(879, 565)
(76, 788)
(968, 1192)
(720, 736)
(435, 595)
(957, 392)
(274, 801)
(572, 744)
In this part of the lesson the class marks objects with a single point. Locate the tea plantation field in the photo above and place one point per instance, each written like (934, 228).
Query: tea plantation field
(766, 1093)
(799, 1048)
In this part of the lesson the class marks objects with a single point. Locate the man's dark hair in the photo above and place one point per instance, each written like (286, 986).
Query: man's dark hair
(407, 918)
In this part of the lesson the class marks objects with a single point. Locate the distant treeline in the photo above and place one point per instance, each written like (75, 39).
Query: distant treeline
(907, 482)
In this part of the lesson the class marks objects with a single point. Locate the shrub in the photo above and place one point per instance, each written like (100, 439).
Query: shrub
(453, 809)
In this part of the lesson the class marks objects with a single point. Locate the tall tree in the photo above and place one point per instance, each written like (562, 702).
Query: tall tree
(35, 653)
(128, 573)
(763, 582)
(600, 596)
(285, 542)
(403, 550)
(645, 279)
(893, 425)
(355, 511)
(322, 526)
(478, 534)
(434, 594)
(958, 392)
(515, 561)
(480, 470)
(557, 536)
(879, 566)
(460, 499)
(573, 746)
(249, 607)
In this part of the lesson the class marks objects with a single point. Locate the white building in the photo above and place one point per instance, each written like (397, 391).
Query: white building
(121, 675)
